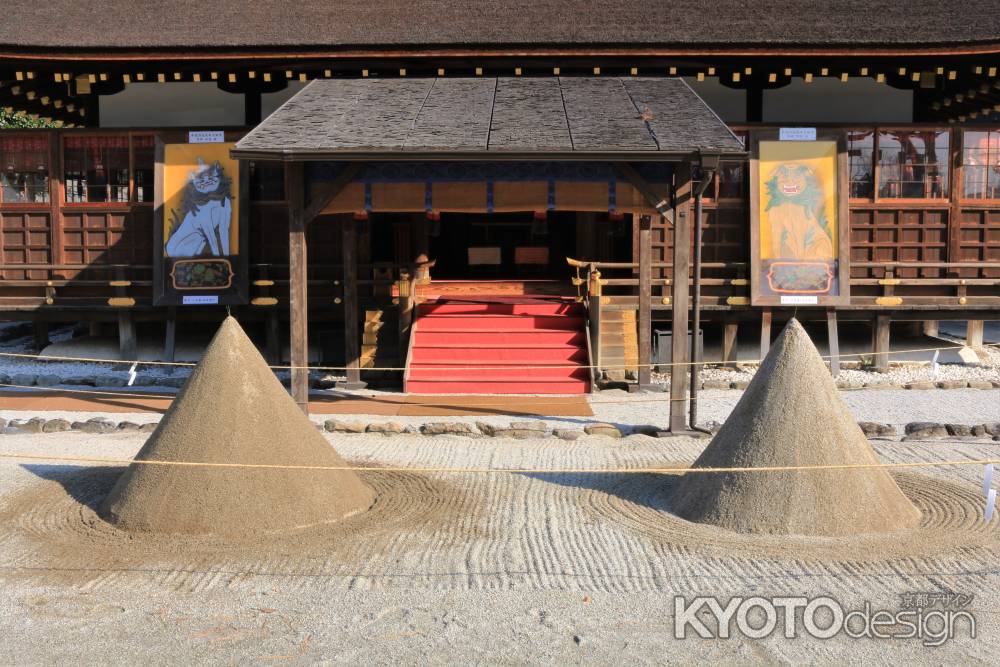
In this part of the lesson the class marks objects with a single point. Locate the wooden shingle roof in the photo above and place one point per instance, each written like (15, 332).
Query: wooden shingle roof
(68, 25)
(490, 118)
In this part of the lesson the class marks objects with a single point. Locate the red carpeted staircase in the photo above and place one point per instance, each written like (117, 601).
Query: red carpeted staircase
(498, 347)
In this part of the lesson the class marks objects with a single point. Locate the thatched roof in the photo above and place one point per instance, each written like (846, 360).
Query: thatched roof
(494, 116)
(494, 24)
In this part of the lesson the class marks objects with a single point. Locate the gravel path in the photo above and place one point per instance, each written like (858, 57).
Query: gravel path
(541, 568)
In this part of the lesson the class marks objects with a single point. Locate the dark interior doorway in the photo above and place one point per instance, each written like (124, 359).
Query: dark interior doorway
(502, 246)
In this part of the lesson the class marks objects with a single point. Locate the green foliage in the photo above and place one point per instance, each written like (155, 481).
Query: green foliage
(13, 121)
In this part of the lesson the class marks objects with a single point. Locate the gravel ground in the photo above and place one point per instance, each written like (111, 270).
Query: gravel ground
(887, 406)
(548, 569)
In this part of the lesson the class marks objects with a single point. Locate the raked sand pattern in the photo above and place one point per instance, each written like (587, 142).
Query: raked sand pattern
(434, 545)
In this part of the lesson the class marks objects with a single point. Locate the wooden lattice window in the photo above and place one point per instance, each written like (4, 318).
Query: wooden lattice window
(97, 169)
(913, 164)
(861, 163)
(144, 157)
(24, 170)
(981, 164)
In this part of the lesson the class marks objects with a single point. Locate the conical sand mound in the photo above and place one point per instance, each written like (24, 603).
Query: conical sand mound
(792, 415)
(233, 410)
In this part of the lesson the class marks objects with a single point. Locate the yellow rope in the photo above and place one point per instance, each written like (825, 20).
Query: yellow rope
(365, 468)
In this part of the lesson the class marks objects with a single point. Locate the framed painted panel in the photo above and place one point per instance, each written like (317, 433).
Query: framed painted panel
(200, 228)
(799, 224)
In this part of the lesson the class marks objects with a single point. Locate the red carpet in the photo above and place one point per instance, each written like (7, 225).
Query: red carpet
(499, 347)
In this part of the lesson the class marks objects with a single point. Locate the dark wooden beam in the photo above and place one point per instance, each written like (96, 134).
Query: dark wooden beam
(352, 346)
(658, 199)
(298, 265)
(680, 351)
(834, 340)
(881, 342)
(327, 192)
(645, 302)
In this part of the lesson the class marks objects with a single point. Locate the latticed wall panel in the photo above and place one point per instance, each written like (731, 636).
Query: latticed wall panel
(898, 235)
(25, 238)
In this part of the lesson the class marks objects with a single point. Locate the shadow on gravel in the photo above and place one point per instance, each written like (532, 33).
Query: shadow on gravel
(646, 489)
(88, 485)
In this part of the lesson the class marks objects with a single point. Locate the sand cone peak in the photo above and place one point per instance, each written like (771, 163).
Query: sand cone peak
(234, 410)
(792, 415)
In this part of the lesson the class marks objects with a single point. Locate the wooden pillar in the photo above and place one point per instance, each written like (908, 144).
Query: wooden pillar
(273, 338)
(252, 107)
(41, 330)
(127, 346)
(352, 345)
(765, 332)
(170, 335)
(730, 353)
(680, 351)
(298, 264)
(974, 333)
(931, 328)
(881, 342)
(645, 306)
(834, 340)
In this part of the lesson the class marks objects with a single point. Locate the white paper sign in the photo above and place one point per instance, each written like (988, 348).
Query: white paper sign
(799, 300)
(207, 137)
(797, 134)
(200, 300)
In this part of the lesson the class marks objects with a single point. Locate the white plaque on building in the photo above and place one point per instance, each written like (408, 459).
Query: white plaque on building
(798, 300)
(201, 300)
(797, 134)
(206, 137)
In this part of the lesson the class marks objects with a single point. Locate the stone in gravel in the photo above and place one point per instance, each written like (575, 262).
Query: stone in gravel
(80, 381)
(56, 426)
(953, 384)
(793, 415)
(925, 430)
(646, 429)
(488, 430)
(567, 434)
(715, 384)
(10, 430)
(980, 384)
(95, 425)
(148, 427)
(110, 381)
(881, 386)
(387, 428)
(337, 426)
(33, 425)
(234, 410)
(979, 431)
(992, 428)
(145, 380)
(48, 380)
(128, 426)
(877, 430)
(996, 384)
(739, 384)
(920, 385)
(446, 428)
(529, 426)
(3, 422)
(959, 430)
(23, 379)
(607, 430)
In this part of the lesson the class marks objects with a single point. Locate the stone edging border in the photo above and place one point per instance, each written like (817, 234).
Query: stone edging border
(518, 429)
